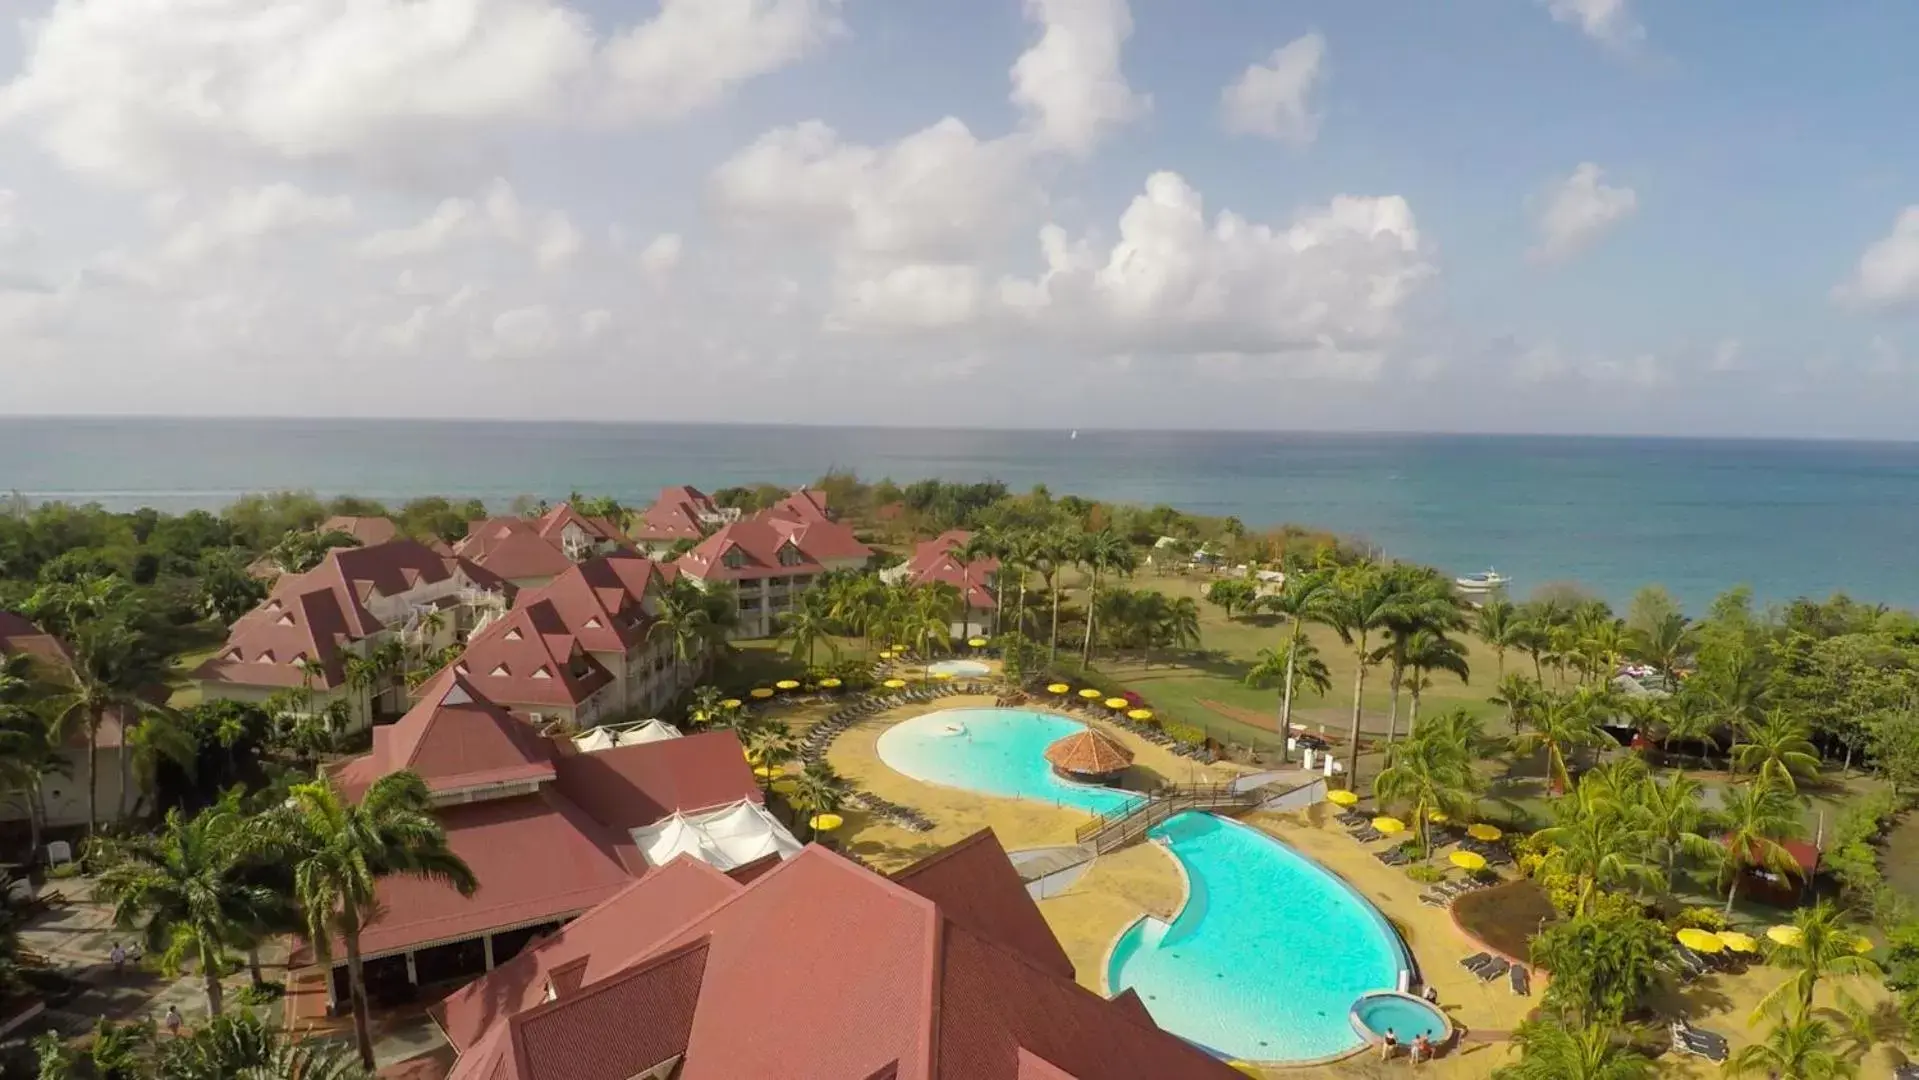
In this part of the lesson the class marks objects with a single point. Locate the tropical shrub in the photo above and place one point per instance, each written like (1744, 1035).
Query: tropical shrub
(1602, 963)
(1426, 875)
(1698, 918)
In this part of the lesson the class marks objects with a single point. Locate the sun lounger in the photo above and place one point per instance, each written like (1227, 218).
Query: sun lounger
(1522, 981)
(1687, 1039)
(1434, 900)
(1494, 970)
(1473, 962)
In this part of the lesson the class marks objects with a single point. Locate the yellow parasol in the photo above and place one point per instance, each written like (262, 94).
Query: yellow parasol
(830, 683)
(1141, 714)
(748, 751)
(1468, 860)
(894, 684)
(731, 703)
(787, 684)
(1089, 694)
(1785, 935)
(765, 772)
(786, 785)
(977, 643)
(1117, 703)
(1738, 942)
(942, 675)
(825, 822)
(1389, 825)
(761, 692)
(1862, 945)
(1439, 817)
(1488, 833)
(1700, 941)
(1343, 798)
(1059, 688)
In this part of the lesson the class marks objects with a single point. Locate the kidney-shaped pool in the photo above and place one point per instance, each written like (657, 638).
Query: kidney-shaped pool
(1270, 951)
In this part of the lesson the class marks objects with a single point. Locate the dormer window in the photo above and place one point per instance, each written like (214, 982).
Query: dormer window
(232, 654)
(734, 558)
(284, 620)
(499, 672)
(594, 623)
(513, 634)
(542, 674)
(790, 554)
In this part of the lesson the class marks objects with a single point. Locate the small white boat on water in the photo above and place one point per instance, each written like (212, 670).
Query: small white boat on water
(1474, 585)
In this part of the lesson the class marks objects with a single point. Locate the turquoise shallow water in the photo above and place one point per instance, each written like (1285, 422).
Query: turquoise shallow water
(1405, 1017)
(1270, 951)
(1787, 518)
(1267, 957)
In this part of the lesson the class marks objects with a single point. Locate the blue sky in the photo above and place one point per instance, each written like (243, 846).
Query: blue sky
(1531, 215)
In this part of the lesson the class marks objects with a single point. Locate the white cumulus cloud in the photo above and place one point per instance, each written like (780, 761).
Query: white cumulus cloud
(549, 237)
(1577, 211)
(247, 216)
(1070, 84)
(1273, 99)
(1887, 275)
(1609, 22)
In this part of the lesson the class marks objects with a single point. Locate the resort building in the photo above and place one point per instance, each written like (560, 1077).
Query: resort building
(938, 560)
(548, 831)
(811, 967)
(355, 601)
(63, 795)
(369, 531)
(579, 537)
(771, 559)
(530, 552)
(608, 606)
(681, 515)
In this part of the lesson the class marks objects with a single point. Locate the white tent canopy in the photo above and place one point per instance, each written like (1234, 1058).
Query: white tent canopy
(609, 736)
(724, 838)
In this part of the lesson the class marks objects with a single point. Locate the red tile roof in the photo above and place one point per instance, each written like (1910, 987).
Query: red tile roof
(830, 970)
(20, 637)
(552, 523)
(805, 505)
(455, 740)
(367, 530)
(760, 540)
(938, 560)
(513, 548)
(602, 600)
(312, 616)
(675, 515)
(629, 787)
(975, 884)
(529, 657)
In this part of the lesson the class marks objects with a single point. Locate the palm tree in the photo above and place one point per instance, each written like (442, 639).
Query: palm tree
(187, 890)
(361, 672)
(1675, 820)
(1295, 664)
(338, 852)
(1052, 550)
(1179, 626)
(819, 790)
(115, 671)
(1663, 646)
(28, 752)
(1804, 1048)
(704, 709)
(1550, 1051)
(1428, 776)
(1021, 551)
(1601, 846)
(1425, 602)
(1103, 552)
(684, 620)
(1777, 749)
(1561, 722)
(1757, 817)
(1822, 947)
(245, 1047)
(1520, 695)
(1298, 598)
(1498, 625)
(1688, 722)
(770, 744)
(1429, 649)
(807, 623)
(1360, 605)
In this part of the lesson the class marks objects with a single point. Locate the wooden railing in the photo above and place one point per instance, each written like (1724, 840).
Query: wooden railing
(1117, 828)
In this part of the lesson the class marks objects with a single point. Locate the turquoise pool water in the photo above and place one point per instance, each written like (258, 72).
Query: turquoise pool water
(1406, 1017)
(997, 751)
(1270, 953)
(961, 669)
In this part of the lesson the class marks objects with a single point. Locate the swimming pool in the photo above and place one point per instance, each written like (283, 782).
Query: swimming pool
(1270, 952)
(959, 669)
(1405, 1016)
(996, 751)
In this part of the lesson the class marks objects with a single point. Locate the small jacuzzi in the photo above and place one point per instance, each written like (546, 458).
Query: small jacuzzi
(959, 669)
(1407, 1016)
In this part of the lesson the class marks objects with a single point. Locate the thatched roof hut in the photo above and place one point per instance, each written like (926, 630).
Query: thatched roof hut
(1089, 755)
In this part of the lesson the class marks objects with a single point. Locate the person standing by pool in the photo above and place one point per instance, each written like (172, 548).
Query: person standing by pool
(1388, 1045)
(1422, 1048)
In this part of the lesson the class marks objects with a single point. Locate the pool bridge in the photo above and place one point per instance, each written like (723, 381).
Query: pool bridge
(1129, 824)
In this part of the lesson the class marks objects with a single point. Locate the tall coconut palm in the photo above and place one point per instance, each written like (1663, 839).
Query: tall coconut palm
(28, 751)
(1757, 817)
(1520, 695)
(1677, 822)
(1293, 666)
(808, 623)
(1360, 606)
(1425, 601)
(685, 621)
(1823, 946)
(116, 671)
(1104, 552)
(1548, 1050)
(1663, 646)
(1429, 650)
(1021, 551)
(1052, 551)
(819, 790)
(338, 852)
(1427, 776)
(1805, 1048)
(1777, 749)
(1561, 723)
(1298, 598)
(770, 744)
(188, 892)
(1498, 625)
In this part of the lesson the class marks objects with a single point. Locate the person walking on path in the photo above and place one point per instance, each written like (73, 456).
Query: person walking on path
(173, 1020)
(118, 957)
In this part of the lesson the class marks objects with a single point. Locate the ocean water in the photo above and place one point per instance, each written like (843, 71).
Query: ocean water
(1269, 953)
(1698, 516)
